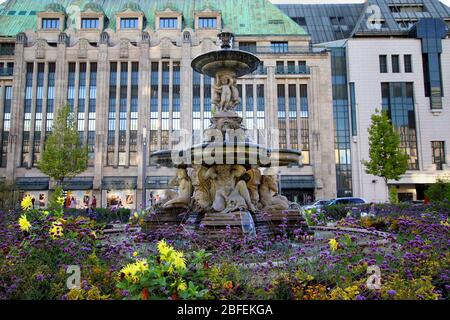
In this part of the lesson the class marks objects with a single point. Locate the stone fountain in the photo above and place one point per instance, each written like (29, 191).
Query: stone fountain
(228, 181)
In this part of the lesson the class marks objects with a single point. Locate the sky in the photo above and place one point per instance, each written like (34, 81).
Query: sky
(447, 2)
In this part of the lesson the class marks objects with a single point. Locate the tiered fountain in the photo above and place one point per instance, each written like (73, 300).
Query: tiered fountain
(228, 181)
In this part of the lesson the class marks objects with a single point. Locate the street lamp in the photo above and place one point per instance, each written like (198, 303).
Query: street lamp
(144, 167)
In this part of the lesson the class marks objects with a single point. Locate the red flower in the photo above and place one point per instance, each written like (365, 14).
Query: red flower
(145, 294)
(174, 296)
(206, 265)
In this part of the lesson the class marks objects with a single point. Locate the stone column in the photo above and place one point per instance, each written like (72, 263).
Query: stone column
(186, 74)
(101, 118)
(159, 103)
(2, 109)
(170, 103)
(87, 102)
(128, 121)
(15, 135)
(143, 112)
(116, 138)
(61, 76)
(271, 105)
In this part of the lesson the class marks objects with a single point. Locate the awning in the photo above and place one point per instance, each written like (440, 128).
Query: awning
(158, 182)
(31, 184)
(79, 183)
(297, 182)
(119, 183)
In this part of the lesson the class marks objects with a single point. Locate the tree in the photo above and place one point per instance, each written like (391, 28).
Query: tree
(64, 155)
(387, 160)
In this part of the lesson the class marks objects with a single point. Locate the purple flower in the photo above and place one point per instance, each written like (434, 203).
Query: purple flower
(392, 292)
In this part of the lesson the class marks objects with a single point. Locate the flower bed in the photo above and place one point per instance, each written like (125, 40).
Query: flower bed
(176, 263)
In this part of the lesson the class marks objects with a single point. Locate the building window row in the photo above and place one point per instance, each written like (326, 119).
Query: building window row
(395, 63)
(123, 114)
(165, 104)
(293, 129)
(6, 125)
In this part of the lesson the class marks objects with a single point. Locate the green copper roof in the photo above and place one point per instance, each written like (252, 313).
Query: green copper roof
(243, 17)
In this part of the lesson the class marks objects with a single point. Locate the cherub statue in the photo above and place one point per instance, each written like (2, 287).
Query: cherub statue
(184, 184)
(230, 195)
(226, 94)
(267, 193)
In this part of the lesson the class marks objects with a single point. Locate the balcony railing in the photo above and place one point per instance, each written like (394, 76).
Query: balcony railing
(6, 51)
(6, 72)
(293, 70)
(260, 71)
(283, 50)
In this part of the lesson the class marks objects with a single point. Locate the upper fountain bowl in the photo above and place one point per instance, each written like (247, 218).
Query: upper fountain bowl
(236, 61)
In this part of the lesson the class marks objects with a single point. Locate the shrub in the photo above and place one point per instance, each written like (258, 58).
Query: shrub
(439, 192)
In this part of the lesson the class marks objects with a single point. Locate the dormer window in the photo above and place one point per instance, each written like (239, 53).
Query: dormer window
(50, 23)
(129, 23)
(90, 23)
(168, 23)
(207, 22)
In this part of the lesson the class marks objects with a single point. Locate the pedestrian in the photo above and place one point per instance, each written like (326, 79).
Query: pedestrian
(94, 203)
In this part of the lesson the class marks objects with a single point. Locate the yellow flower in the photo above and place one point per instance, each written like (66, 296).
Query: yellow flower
(27, 203)
(24, 224)
(445, 223)
(333, 244)
(56, 230)
(182, 286)
(178, 260)
(45, 213)
(164, 249)
(142, 265)
(129, 272)
(135, 254)
(136, 215)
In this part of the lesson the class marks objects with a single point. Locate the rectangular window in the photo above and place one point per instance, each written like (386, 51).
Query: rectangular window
(129, 23)
(282, 116)
(248, 46)
(207, 23)
(112, 114)
(304, 119)
(27, 115)
(168, 23)
(89, 23)
(438, 149)
(353, 109)
(154, 122)
(398, 102)
(383, 64)
(408, 63)
(395, 63)
(50, 23)
(6, 126)
(279, 47)
(293, 128)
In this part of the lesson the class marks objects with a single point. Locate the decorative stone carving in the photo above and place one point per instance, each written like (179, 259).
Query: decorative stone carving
(145, 37)
(165, 48)
(21, 38)
(253, 183)
(204, 190)
(40, 49)
(267, 193)
(226, 94)
(186, 37)
(104, 38)
(231, 192)
(83, 48)
(184, 184)
(124, 50)
(63, 38)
